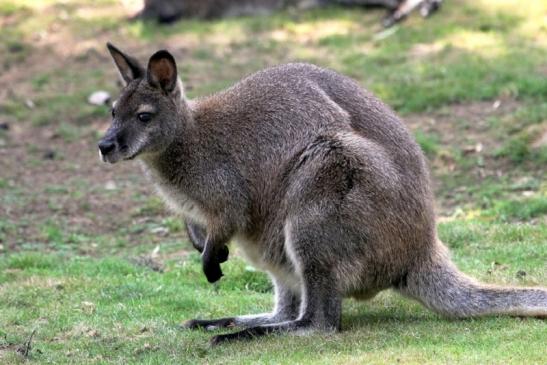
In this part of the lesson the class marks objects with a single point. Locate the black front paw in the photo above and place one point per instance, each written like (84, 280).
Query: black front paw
(222, 255)
(212, 271)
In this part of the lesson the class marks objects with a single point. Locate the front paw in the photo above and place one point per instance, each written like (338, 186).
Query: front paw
(222, 255)
(211, 260)
(212, 271)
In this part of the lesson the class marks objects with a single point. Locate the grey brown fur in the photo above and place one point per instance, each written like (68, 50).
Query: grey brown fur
(170, 10)
(320, 184)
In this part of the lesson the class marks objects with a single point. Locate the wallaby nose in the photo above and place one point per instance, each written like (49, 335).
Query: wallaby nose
(106, 147)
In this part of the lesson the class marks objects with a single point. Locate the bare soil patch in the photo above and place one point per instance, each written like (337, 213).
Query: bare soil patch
(465, 127)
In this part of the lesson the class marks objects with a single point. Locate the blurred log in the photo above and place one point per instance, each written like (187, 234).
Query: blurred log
(167, 11)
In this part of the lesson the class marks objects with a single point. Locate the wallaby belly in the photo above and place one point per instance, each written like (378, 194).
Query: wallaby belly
(273, 263)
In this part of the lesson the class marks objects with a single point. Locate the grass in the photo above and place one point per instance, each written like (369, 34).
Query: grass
(428, 143)
(469, 81)
(89, 310)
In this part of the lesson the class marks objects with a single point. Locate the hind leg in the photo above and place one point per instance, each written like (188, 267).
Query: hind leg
(287, 304)
(320, 307)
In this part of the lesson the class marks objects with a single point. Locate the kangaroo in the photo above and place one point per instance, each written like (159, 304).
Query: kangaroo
(167, 11)
(320, 184)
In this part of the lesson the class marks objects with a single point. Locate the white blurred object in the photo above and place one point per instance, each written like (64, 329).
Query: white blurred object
(30, 104)
(99, 98)
(160, 231)
(132, 6)
(110, 185)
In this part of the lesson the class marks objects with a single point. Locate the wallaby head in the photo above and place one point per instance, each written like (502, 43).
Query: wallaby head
(149, 111)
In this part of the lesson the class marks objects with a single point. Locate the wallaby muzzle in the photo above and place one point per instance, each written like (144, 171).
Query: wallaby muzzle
(112, 146)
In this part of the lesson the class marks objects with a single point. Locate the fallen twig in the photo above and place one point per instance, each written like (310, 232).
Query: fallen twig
(27, 347)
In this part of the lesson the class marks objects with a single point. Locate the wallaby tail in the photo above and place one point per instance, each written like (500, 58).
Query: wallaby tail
(439, 285)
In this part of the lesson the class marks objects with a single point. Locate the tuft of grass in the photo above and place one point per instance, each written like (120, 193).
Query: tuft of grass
(31, 261)
(516, 149)
(519, 149)
(429, 143)
(523, 210)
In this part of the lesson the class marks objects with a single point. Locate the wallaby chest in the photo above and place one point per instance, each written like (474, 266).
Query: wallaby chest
(175, 198)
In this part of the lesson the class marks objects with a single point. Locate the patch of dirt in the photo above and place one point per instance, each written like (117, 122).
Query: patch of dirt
(541, 139)
(87, 200)
(542, 70)
(5, 349)
(464, 132)
(24, 350)
(464, 126)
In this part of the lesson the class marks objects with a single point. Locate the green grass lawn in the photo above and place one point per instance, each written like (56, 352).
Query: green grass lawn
(89, 310)
(471, 83)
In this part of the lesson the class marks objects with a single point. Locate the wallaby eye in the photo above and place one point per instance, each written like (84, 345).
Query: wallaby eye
(144, 117)
(113, 112)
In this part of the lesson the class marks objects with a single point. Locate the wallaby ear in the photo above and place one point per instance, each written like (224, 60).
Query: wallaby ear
(162, 71)
(129, 68)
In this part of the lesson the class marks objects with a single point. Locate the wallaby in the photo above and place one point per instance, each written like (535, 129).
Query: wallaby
(167, 11)
(320, 184)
